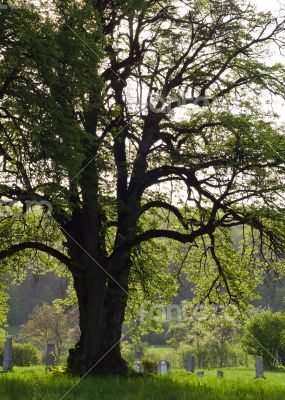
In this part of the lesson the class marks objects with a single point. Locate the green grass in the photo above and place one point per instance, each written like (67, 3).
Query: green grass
(157, 353)
(238, 384)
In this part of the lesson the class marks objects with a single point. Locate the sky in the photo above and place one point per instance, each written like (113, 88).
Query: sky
(268, 5)
(274, 5)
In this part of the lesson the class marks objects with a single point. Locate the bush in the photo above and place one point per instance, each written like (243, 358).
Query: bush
(265, 336)
(211, 354)
(128, 349)
(57, 370)
(149, 366)
(127, 352)
(24, 355)
(184, 351)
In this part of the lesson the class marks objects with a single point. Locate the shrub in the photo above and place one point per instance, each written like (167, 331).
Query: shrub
(57, 370)
(265, 336)
(128, 349)
(149, 366)
(211, 354)
(184, 351)
(24, 355)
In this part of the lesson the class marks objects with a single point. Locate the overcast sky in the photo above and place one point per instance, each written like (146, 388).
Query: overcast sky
(274, 5)
(269, 4)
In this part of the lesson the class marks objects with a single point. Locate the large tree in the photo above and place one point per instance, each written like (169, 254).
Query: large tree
(120, 113)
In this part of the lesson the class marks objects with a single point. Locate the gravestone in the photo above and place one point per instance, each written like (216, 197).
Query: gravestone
(7, 357)
(259, 368)
(190, 363)
(200, 374)
(138, 366)
(138, 355)
(163, 367)
(220, 374)
(50, 355)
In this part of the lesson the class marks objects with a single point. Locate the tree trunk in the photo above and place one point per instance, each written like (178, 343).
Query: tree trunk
(102, 304)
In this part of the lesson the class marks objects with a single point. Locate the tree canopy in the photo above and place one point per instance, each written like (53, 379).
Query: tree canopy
(130, 122)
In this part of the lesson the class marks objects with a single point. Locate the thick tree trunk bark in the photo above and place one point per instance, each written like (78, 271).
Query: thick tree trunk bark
(102, 299)
(102, 304)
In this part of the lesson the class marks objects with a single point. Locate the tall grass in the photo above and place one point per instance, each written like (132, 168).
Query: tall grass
(238, 384)
(157, 353)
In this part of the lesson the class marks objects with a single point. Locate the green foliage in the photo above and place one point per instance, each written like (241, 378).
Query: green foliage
(24, 355)
(44, 53)
(210, 333)
(211, 353)
(50, 324)
(150, 367)
(264, 334)
(30, 226)
(57, 370)
(129, 348)
(157, 353)
(127, 351)
(3, 308)
(55, 64)
(121, 176)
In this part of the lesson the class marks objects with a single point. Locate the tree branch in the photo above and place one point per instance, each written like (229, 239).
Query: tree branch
(170, 207)
(37, 246)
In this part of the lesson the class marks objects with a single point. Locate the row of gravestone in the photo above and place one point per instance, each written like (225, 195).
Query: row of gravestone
(164, 367)
(8, 355)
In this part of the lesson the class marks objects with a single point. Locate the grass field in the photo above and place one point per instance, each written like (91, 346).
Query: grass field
(238, 384)
(157, 353)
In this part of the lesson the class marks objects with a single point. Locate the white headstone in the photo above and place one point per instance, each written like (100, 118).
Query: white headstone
(259, 367)
(7, 357)
(163, 367)
(190, 363)
(50, 355)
